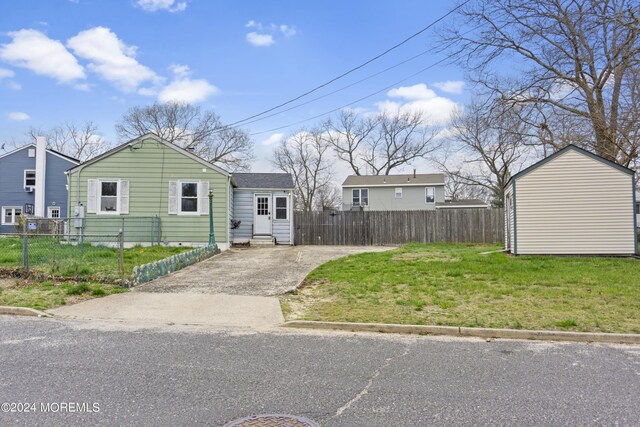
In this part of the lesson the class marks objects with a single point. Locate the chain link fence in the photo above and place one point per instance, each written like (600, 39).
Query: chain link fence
(76, 247)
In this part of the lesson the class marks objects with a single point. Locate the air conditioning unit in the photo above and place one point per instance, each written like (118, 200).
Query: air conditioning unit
(28, 189)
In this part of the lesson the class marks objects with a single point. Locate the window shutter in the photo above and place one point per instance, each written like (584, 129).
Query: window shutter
(203, 197)
(173, 197)
(92, 195)
(123, 197)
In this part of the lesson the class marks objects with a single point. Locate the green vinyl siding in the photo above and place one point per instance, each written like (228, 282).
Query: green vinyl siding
(149, 167)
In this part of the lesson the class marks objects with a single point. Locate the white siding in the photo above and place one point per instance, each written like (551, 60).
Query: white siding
(243, 211)
(508, 223)
(230, 212)
(574, 204)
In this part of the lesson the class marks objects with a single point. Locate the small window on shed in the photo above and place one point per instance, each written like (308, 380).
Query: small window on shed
(398, 192)
(281, 207)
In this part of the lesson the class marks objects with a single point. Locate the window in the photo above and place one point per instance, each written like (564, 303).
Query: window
(29, 178)
(189, 197)
(108, 197)
(281, 208)
(398, 192)
(360, 197)
(31, 152)
(430, 194)
(11, 215)
(53, 212)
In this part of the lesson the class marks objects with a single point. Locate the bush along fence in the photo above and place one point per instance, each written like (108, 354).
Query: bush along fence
(399, 227)
(151, 271)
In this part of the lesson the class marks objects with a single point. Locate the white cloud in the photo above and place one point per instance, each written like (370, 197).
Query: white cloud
(419, 98)
(6, 74)
(273, 139)
(288, 30)
(111, 58)
(13, 85)
(180, 70)
(18, 116)
(187, 90)
(33, 50)
(450, 86)
(265, 34)
(260, 40)
(156, 5)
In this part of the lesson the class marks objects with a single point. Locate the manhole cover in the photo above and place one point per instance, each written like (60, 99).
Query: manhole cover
(272, 420)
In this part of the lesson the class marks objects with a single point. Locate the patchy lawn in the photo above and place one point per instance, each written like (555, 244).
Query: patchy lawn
(62, 260)
(49, 294)
(452, 284)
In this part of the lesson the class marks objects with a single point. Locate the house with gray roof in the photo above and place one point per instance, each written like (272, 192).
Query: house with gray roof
(393, 192)
(262, 208)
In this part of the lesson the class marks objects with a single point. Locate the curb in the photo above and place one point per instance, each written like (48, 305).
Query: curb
(488, 333)
(23, 311)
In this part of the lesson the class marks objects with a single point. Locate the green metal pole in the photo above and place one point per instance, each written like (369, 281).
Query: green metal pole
(212, 239)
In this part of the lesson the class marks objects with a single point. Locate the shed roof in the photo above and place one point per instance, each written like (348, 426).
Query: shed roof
(264, 180)
(394, 180)
(574, 148)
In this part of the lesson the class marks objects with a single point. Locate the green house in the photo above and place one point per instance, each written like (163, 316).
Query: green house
(158, 193)
(155, 191)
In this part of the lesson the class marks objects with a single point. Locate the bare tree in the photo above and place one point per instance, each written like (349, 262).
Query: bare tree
(379, 145)
(306, 156)
(576, 61)
(81, 142)
(491, 144)
(188, 126)
(458, 187)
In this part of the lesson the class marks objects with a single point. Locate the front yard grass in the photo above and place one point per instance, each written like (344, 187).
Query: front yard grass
(92, 261)
(49, 294)
(453, 284)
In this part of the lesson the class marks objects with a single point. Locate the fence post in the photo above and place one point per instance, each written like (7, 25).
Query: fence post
(121, 253)
(25, 245)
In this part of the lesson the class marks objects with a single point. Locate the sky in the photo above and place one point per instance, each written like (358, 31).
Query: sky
(79, 60)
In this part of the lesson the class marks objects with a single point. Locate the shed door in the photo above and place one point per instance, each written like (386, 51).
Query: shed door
(262, 214)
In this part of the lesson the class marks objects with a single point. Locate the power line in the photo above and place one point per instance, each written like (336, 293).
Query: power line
(353, 69)
(337, 90)
(356, 101)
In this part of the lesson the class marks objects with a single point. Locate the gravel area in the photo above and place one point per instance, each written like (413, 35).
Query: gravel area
(263, 271)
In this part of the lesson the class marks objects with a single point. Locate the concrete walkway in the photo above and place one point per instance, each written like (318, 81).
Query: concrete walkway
(183, 308)
(253, 271)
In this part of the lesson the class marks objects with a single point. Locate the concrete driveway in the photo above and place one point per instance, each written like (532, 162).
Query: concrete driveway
(253, 271)
(235, 288)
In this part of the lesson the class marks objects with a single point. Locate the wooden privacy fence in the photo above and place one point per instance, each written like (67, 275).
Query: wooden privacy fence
(398, 227)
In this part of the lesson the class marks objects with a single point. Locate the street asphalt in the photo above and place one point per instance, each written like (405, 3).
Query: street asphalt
(178, 375)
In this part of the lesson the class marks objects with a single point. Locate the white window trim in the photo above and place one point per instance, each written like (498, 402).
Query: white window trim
(52, 208)
(426, 192)
(99, 210)
(275, 208)
(359, 190)
(4, 209)
(197, 211)
(24, 179)
(398, 195)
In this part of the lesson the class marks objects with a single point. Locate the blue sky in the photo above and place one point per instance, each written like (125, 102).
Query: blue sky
(94, 59)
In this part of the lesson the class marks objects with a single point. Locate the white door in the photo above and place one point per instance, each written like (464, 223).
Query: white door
(262, 216)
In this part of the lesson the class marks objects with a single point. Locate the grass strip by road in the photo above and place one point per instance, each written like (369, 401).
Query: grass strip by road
(454, 285)
(48, 294)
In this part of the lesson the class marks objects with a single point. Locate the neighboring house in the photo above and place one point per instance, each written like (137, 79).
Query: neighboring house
(462, 204)
(33, 175)
(263, 203)
(149, 180)
(572, 202)
(638, 211)
(393, 192)
(150, 177)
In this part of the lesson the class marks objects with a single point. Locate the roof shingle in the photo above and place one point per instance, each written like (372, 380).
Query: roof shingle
(394, 180)
(264, 180)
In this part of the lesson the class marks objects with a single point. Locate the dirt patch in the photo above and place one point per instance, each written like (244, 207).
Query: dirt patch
(7, 283)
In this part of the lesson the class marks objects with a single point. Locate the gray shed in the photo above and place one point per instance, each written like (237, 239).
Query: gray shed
(571, 203)
(263, 203)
